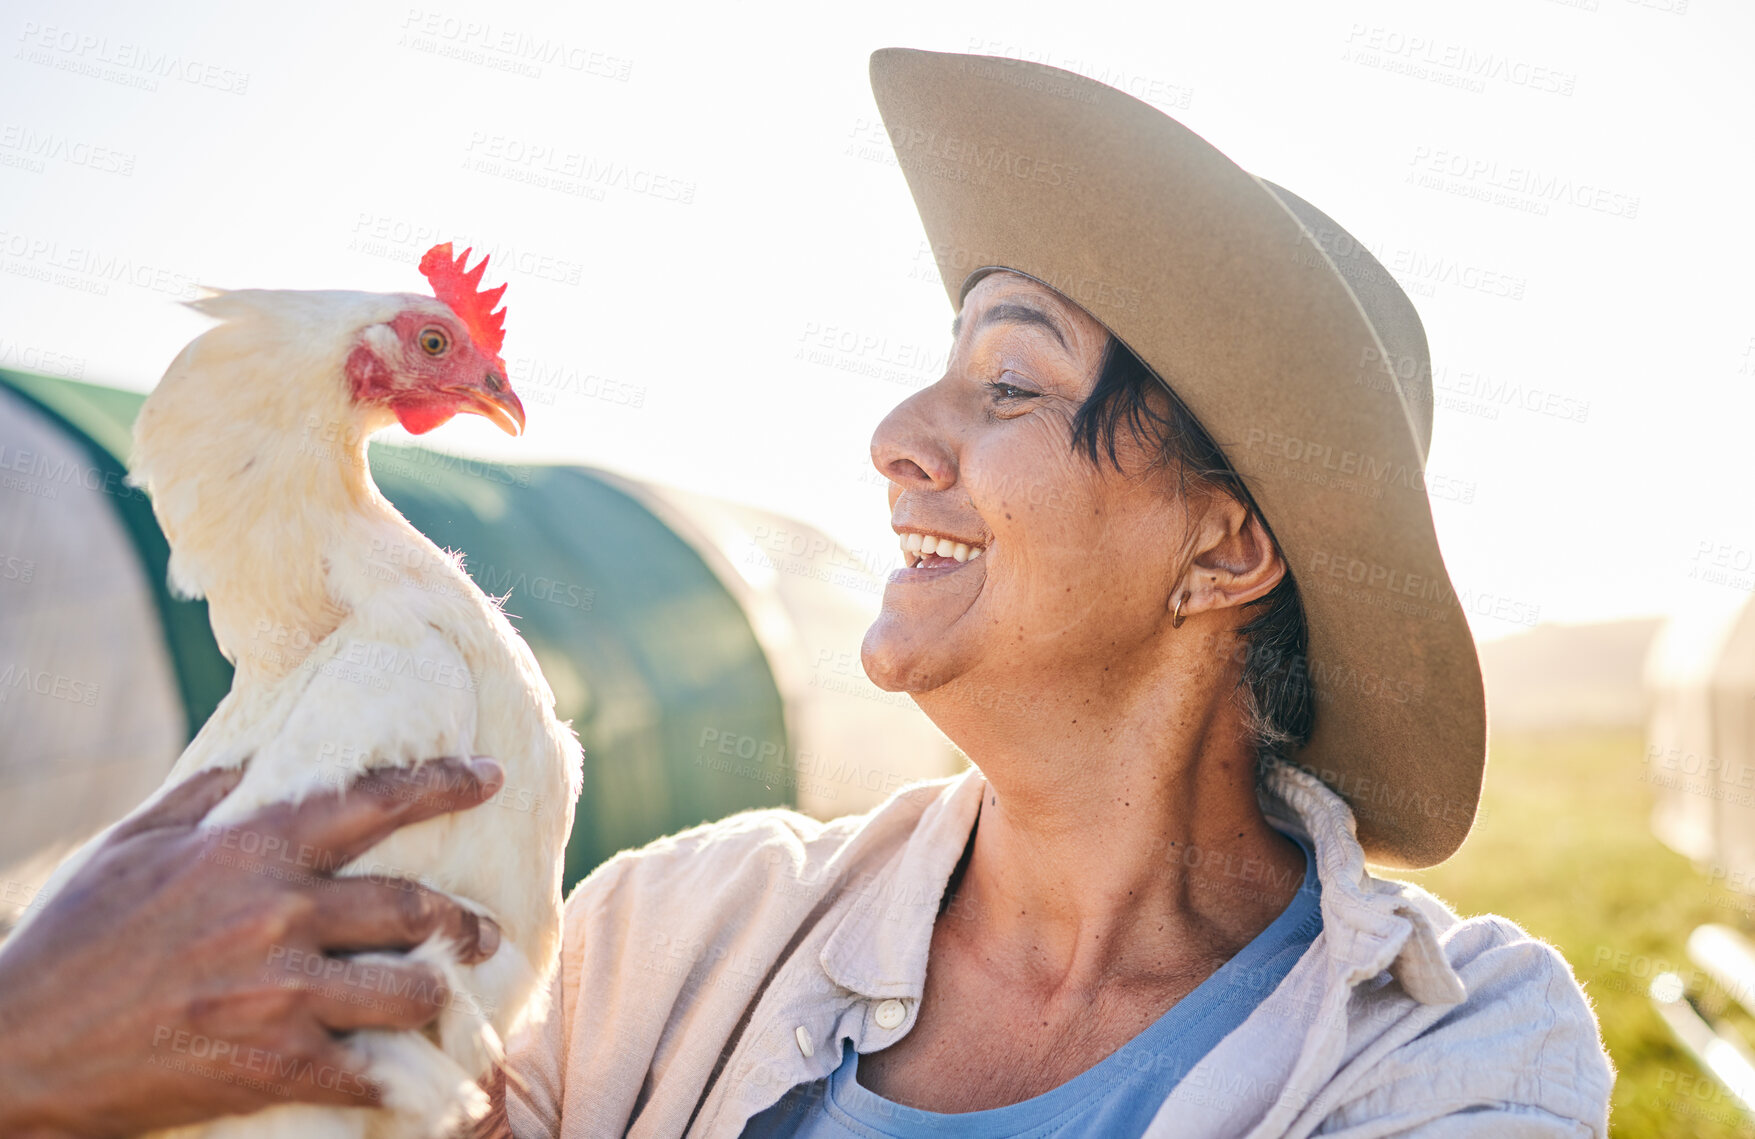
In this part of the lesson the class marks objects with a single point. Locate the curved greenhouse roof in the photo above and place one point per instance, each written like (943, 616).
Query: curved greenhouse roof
(706, 653)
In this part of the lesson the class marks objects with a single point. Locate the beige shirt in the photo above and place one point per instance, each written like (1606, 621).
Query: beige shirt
(708, 973)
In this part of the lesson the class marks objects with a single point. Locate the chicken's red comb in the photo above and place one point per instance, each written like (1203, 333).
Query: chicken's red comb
(461, 291)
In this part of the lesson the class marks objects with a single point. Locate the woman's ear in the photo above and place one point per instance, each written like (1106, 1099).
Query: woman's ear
(1234, 561)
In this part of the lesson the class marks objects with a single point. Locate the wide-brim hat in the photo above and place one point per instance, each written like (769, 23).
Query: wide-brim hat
(1292, 345)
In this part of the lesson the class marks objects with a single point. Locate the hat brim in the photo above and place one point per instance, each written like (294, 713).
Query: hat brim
(1212, 281)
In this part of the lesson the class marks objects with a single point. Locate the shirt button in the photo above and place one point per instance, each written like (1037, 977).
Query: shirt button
(891, 1014)
(804, 1044)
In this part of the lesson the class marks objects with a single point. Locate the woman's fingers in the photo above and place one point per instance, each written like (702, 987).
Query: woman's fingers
(324, 1071)
(356, 914)
(496, 1124)
(185, 804)
(170, 980)
(373, 992)
(340, 825)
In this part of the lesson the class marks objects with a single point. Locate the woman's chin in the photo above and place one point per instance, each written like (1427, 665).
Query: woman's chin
(900, 658)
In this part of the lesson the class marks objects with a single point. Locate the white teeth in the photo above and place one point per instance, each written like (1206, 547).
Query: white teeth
(916, 546)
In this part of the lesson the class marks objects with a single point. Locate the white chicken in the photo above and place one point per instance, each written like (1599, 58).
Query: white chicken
(359, 643)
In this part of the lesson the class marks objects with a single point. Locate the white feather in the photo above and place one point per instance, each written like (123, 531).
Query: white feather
(358, 644)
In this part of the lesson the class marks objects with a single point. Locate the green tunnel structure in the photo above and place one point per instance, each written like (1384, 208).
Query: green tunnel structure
(645, 635)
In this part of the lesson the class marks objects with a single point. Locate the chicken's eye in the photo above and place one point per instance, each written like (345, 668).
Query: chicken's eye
(433, 341)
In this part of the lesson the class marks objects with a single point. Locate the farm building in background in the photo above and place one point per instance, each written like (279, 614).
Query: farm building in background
(706, 653)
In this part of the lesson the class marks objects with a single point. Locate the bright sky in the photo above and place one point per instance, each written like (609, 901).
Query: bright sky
(718, 280)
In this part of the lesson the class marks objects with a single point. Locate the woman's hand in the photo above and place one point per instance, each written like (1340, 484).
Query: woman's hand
(183, 972)
(495, 1124)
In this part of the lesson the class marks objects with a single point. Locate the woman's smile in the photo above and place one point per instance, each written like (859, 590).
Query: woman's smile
(927, 550)
(933, 557)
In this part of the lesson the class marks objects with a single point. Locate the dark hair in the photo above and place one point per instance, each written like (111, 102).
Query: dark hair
(1274, 690)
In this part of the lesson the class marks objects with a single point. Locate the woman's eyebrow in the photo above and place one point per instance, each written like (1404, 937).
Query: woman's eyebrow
(1015, 314)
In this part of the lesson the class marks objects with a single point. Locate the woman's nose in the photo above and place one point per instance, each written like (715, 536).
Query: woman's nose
(907, 450)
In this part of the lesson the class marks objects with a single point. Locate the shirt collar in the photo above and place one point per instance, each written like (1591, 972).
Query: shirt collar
(879, 949)
(880, 946)
(1370, 924)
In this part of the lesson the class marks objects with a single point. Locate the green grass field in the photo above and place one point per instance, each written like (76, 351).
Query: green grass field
(1564, 848)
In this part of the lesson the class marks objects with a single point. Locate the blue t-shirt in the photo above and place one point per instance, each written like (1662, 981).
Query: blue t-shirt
(1116, 1098)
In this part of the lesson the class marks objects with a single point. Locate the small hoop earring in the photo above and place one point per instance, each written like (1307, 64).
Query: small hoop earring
(1176, 618)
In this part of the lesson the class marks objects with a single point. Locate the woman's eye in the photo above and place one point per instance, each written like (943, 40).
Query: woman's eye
(434, 342)
(1003, 390)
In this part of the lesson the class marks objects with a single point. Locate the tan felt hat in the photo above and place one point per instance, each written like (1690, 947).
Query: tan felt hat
(1288, 340)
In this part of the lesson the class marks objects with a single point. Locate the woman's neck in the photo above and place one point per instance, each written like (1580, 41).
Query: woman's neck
(1122, 838)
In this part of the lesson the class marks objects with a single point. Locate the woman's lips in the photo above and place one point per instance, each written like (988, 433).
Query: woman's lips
(917, 545)
(929, 567)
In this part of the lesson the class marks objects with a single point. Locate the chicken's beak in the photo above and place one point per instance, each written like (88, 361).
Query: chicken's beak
(497, 402)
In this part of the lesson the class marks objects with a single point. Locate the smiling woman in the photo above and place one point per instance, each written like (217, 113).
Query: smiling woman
(1132, 734)
(1145, 909)
(1166, 443)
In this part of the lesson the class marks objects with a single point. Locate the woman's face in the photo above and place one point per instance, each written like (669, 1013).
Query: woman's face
(1071, 563)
